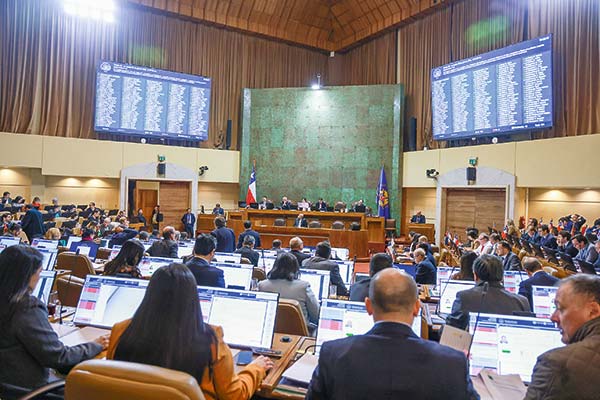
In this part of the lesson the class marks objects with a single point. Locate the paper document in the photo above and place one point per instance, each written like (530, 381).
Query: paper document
(63, 330)
(480, 388)
(503, 387)
(456, 338)
(302, 369)
(84, 335)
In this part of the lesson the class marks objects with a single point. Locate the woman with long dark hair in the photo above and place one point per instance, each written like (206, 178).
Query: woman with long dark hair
(127, 261)
(168, 331)
(284, 279)
(29, 347)
(466, 267)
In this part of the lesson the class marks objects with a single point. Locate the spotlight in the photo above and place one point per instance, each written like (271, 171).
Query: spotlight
(202, 170)
(432, 173)
(317, 86)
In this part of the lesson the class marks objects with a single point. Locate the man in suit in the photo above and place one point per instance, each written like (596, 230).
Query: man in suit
(564, 243)
(426, 273)
(418, 218)
(167, 247)
(587, 251)
(488, 295)
(531, 235)
(360, 290)
(321, 205)
(33, 224)
(296, 246)
(225, 236)
(249, 232)
(264, 204)
(537, 277)
(204, 251)
(321, 261)
(546, 238)
(6, 200)
(300, 221)
(510, 261)
(390, 361)
(141, 218)
(122, 234)
(218, 210)
(360, 207)
(189, 220)
(247, 250)
(485, 246)
(285, 203)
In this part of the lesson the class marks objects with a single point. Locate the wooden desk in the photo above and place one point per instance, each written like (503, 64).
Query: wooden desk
(287, 392)
(424, 229)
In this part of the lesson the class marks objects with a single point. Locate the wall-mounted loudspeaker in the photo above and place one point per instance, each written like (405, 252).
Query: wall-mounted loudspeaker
(471, 174)
(412, 134)
(228, 135)
(161, 169)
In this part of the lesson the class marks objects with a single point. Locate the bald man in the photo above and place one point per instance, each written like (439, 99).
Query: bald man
(390, 361)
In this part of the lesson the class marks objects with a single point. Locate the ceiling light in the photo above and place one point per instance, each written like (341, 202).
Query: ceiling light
(99, 10)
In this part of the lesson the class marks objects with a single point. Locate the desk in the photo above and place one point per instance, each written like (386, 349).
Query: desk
(423, 229)
(286, 391)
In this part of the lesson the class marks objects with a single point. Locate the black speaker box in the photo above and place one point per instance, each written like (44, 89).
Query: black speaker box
(161, 169)
(228, 135)
(412, 134)
(471, 174)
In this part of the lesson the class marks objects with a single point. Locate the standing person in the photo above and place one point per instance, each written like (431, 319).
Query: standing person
(248, 231)
(189, 220)
(141, 218)
(168, 331)
(33, 224)
(225, 236)
(157, 217)
(218, 210)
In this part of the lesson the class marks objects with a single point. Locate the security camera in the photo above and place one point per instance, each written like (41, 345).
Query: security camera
(432, 173)
(202, 170)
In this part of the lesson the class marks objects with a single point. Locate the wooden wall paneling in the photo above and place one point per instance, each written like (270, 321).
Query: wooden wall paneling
(479, 208)
(174, 198)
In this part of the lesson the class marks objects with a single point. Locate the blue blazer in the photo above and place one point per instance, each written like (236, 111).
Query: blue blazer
(538, 279)
(548, 241)
(33, 224)
(426, 273)
(205, 274)
(225, 240)
(390, 362)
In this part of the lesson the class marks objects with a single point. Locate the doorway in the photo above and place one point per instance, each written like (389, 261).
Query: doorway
(146, 199)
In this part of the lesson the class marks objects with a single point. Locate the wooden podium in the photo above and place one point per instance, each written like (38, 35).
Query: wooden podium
(424, 229)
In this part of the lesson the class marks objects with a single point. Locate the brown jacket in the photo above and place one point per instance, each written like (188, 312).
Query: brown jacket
(569, 372)
(226, 384)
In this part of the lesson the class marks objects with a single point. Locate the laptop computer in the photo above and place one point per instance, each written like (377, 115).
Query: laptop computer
(87, 248)
(542, 298)
(346, 270)
(44, 244)
(318, 280)
(584, 266)
(9, 241)
(44, 286)
(267, 263)
(410, 269)
(49, 258)
(150, 264)
(73, 239)
(233, 258)
(237, 276)
(512, 280)
(448, 291)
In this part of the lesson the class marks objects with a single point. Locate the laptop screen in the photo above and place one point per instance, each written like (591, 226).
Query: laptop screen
(443, 274)
(543, 300)
(340, 253)
(237, 276)
(512, 279)
(49, 258)
(114, 252)
(318, 280)
(87, 248)
(247, 318)
(448, 292)
(184, 251)
(44, 244)
(150, 264)
(9, 241)
(509, 344)
(410, 269)
(346, 270)
(73, 239)
(228, 258)
(44, 287)
(106, 300)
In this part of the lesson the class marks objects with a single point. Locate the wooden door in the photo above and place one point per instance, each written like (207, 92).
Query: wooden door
(146, 199)
(479, 208)
(174, 201)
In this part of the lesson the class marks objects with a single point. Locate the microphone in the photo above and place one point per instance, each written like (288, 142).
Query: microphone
(263, 259)
(60, 309)
(437, 308)
(486, 286)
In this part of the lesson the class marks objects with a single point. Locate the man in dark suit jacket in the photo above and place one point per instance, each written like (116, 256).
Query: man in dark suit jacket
(510, 261)
(322, 261)
(321, 205)
(225, 236)
(249, 232)
(296, 246)
(189, 220)
(285, 203)
(564, 243)
(300, 221)
(33, 224)
(360, 290)
(488, 295)
(204, 251)
(247, 250)
(418, 218)
(218, 210)
(547, 239)
(537, 277)
(426, 272)
(122, 235)
(167, 247)
(390, 361)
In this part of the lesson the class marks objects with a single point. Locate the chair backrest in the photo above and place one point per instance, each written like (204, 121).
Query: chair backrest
(78, 264)
(339, 206)
(390, 223)
(69, 290)
(314, 224)
(120, 380)
(289, 318)
(522, 254)
(103, 253)
(279, 222)
(338, 225)
(259, 274)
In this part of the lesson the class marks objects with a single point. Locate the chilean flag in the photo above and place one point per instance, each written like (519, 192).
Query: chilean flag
(251, 195)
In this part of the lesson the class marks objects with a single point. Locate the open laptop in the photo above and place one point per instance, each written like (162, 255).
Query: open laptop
(237, 276)
(543, 300)
(233, 258)
(360, 277)
(512, 280)
(346, 270)
(267, 263)
(448, 291)
(114, 252)
(87, 248)
(9, 241)
(106, 300)
(247, 318)
(49, 258)
(44, 286)
(318, 280)
(44, 244)
(410, 269)
(73, 239)
(184, 250)
(509, 344)
(584, 267)
(150, 264)
(340, 253)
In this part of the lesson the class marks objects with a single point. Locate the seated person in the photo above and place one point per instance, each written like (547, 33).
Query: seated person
(565, 245)
(546, 238)
(418, 218)
(167, 330)
(322, 261)
(427, 249)
(390, 361)
(426, 272)
(321, 205)
(531, 235)
(264, 204)
(569, 372)
(29, 346)
(276, 245)
(204, 252)
(488, 295)
(300, 221)
(225, 236)
(167, 247)
(284, 279)
(285, 203)
(125, 264)
(218, 210)
(537, 277)
(247, 250)
(249, 231)
(485, 246)
(122, 234)
(360, 290)
(296, 246)
(587, 251)
(360, 206)
(510, 261)
(52, 234)
(466, 267)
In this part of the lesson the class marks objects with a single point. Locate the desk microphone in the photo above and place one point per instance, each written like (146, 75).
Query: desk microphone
(263, 259)
(486, 286)
(437, 309)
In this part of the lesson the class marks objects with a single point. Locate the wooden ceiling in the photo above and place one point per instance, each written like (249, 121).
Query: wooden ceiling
(331, 25)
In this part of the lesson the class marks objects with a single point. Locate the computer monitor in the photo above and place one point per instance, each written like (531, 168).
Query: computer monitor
(114, 252)
(340, 253)
(318, 280)
(147, 244)
(106, 300)
(509, 344)
(269, 253)
(9, 241)
(584, 267)
(267, 263)
(73, 239)
(233, 258)
(410, 269)
(346, 270)
(443, 274)
(360, 277)
(184, 251)
(2, 247)
(237, 276)
(339, 319)
(247, 318)
(543, 300)
(149, 265)
(44, 244)
(49, 258)
(448, 292)
(86, 248)
(512, 280)
(44, 286)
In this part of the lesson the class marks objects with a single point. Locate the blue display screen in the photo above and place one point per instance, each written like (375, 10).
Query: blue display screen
(499, 92)
(137, 100)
